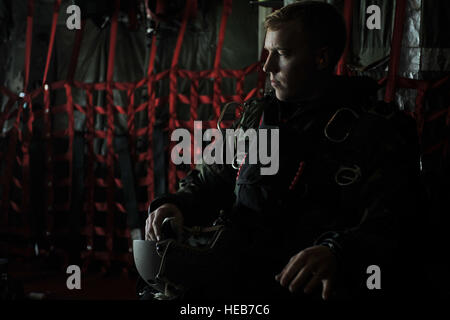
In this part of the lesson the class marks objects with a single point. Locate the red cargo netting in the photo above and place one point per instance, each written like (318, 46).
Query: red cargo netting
(16, 105)
(19, 109)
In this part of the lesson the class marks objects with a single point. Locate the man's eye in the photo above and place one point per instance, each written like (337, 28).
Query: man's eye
(282, 53)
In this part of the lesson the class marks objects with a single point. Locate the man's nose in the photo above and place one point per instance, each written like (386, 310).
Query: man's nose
(269, 65)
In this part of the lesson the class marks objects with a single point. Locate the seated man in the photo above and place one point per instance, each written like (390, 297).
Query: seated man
(337, 204)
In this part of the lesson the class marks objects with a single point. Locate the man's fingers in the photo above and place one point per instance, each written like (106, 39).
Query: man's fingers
(291, 269)
(156, 218)
(151, 231)
(313, 283)
(301, 278)
(307, 269)
(327, 287)
(278, 276)
(147, 230)
(156, 225)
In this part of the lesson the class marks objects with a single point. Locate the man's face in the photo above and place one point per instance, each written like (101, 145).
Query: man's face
(290, 63)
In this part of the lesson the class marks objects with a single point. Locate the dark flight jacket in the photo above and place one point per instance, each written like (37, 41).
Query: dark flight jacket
(354, 192)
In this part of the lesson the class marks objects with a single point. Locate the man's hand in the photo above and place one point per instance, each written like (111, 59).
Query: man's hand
(308, 268)
(156, 218)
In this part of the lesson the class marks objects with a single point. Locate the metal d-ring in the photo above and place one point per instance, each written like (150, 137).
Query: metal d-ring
(325, 130)
(224, 109)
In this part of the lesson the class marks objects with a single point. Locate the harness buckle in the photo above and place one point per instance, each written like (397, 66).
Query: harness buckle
(333, 119)
(347, 175)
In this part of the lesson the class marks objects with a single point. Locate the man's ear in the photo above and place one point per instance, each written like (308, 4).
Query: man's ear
(322, 58)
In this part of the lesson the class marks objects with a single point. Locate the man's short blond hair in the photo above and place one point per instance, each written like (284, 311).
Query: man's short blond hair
(320, 22)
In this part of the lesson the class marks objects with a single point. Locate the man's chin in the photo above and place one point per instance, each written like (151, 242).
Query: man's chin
(281, 96)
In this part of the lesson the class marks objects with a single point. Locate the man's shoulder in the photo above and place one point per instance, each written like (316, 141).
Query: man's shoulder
(390, 131)
(388, 120)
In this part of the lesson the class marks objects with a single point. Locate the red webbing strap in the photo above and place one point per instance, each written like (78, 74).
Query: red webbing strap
(151, 120)
(47, 128)
(110, 133)
(132, 138)
(227, 7)
(173, 122)
(348, 17)
(52, 38)
(147, 9)
(49, 183)
(297, 176)
(24, 138)
(418, 114)
(437, 84)
(130, 123)
(439, 114)
(151, 60)
(240, 87)
(70, 134)
(194, 96)
(422, 88)
(90, 176)
(396, 44)
(75, 52)
(112, 43)
(440, 82)
(28, 42)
